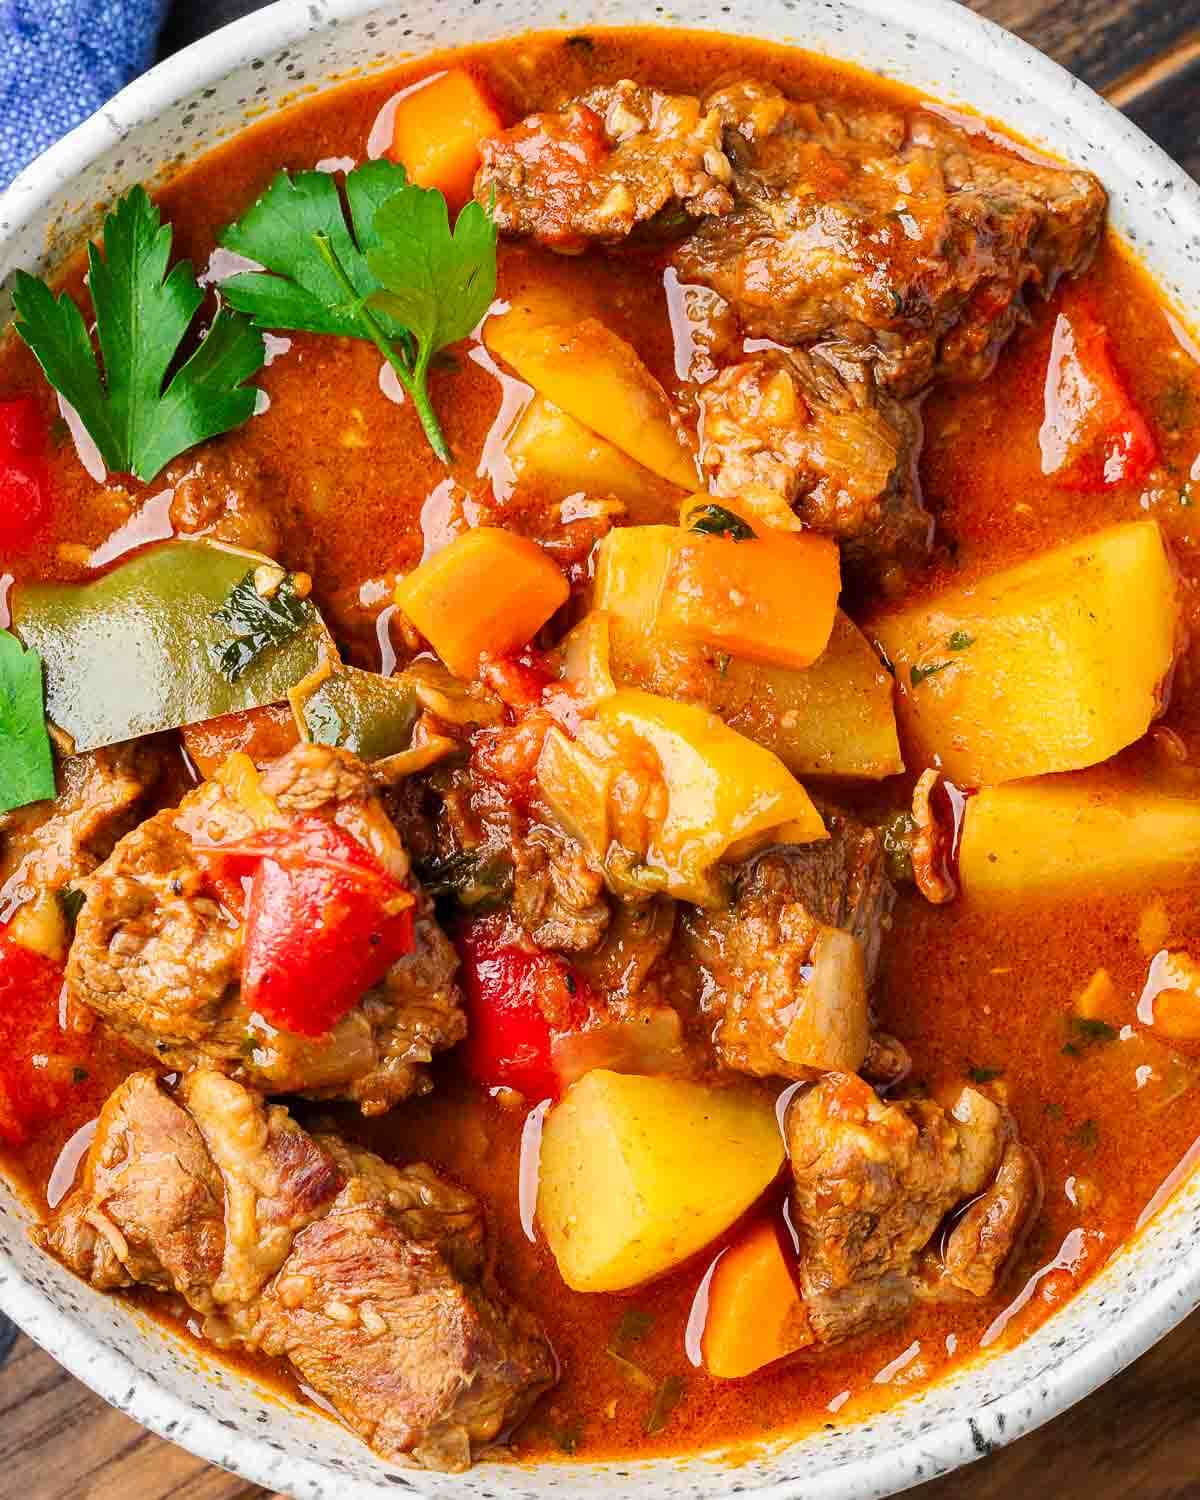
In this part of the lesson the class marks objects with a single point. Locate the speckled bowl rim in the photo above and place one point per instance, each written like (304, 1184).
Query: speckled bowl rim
(1052, 1382)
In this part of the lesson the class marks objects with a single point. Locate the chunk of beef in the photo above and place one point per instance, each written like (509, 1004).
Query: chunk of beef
(987, 1235)
(872, 1183)
(613, 159)
(221, 494)
(812, 425)
(149, 1208)
(558, 896)
(389, 1307)
(374, 1282)
(788, 963)
(158, 955)
(52, 844)
(903, 236)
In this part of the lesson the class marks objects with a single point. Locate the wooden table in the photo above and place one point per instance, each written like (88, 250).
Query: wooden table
(1139, 1437)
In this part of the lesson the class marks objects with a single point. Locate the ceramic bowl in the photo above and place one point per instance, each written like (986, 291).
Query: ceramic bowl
(180, 108)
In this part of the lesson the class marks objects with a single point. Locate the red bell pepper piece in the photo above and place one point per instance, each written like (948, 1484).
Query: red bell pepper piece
(324, 922)
(1093, 435)
(517, 1003)
(35, 1068)
(24, 476)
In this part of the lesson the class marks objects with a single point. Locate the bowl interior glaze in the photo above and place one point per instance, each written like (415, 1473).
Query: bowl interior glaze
(199, 97)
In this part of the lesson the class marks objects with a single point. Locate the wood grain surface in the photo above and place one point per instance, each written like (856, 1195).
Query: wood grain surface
(1136, 1439)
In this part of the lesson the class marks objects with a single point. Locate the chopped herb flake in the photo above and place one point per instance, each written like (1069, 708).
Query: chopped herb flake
(467, 878)
(631, 1371)
(71, 900)
(256, 622)
(666, 1399)
(984, 1075)
(1087, 1135)
(634, 1325)
(1085, 1032)
(567, 1439)
(715, 520)
(897, 833)
(79, 1075)
(917, 673)
(960, 640)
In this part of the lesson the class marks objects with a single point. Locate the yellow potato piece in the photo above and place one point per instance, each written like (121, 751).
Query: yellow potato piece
(559, 456)
(601, 381)
(835, 718)
(1084, 831)
(637, 1174)
(1049, 666)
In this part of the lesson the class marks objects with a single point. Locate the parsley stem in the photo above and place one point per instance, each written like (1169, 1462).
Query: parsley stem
(412, 379)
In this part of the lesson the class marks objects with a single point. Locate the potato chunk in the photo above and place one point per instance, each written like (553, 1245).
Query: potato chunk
(559, 456)
(1076, 832)
(1049, 666)
(601, 381)
(637, 1173)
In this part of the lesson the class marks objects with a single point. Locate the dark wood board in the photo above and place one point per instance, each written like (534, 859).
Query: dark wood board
(1136, 1439)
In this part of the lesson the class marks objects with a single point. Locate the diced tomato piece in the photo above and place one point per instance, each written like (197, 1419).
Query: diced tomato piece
(324, 922)
(24, 476)
(1093, 435)
(37, 1058)
(517, 1003)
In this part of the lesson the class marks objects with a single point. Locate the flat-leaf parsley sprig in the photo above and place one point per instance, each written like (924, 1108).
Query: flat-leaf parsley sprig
(26, 766)
(395, 274)
(137, 419)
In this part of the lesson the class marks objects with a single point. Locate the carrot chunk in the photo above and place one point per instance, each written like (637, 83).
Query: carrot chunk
(487, 593)
(437, 131)
(772, 599)
(755, 1313)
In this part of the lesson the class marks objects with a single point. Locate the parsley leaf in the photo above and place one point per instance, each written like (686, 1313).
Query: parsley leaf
(143, 313)
(255, 622)
(437, 283)
(715, 520)
(393, 274)
(26, 767)
(960, 640)
(297, 289)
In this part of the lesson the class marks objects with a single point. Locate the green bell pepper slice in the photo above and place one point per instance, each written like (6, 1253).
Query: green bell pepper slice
(364, 712)
(133, 652)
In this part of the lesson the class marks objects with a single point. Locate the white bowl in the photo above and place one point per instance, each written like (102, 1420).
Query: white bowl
(181, 107)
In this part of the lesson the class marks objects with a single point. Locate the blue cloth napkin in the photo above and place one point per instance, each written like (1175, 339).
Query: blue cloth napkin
(60, 60)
